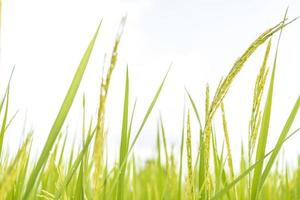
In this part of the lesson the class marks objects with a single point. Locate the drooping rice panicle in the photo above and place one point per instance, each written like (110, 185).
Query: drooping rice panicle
(226, 83)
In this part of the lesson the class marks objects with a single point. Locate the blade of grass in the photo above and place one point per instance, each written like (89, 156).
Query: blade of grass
(165, 145)
(124, 139)
(282, 136)
(181, 157)
(60, 118)
(194, 108)
(148, 112)
(3, 127)
(79, 192)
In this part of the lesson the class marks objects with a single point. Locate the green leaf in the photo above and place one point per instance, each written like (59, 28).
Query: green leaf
(79, 192)
(61, 116)
(181, 157)
(4, 121)
(124, 140)
(282, 136)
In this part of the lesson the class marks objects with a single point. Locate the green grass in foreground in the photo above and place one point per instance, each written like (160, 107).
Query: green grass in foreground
(85, 175)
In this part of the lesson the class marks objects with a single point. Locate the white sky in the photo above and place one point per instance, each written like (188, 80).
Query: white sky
(46, 39)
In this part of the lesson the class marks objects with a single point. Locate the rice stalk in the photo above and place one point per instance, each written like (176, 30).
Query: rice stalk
(190, 180)
(255, 119)
(181, 158)
(225, 128)
(99, 138)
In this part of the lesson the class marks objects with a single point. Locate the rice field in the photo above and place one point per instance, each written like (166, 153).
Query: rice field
(210, 174)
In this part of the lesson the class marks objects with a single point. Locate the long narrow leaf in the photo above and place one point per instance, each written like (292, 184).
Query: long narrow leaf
(61, 116)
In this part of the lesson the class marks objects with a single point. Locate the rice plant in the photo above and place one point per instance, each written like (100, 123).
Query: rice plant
(85, 174)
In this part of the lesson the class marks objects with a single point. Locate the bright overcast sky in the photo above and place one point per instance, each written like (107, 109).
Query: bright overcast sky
(46, 39)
